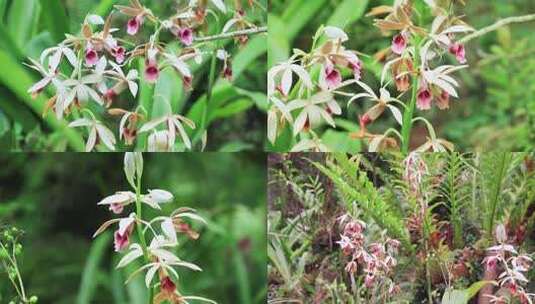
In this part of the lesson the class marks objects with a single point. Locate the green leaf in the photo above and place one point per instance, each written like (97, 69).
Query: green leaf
(456, 296)
(91, 271)
(55, 18)
(278, 42)
(231, 109)
(340, 142)
(167, 93)
(298, 15)
(255, 48)
(22, 19)
(8, 44)
(104, 7)
(347, 12)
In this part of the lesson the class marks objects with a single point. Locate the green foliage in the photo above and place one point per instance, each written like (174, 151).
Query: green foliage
(355, 187)
(441, 218)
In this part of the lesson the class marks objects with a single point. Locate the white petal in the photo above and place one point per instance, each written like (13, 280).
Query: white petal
(303, 75)
(272, 124)
(82, 122)
(286, 81)
(397, 114)
(54, 60)
(300, 122)
(129, 257)
(152, 124)
(367, 89)
(150, 274)
(91, 140)
(169, 230)
(107, 137)
(125, 223)
(118, 198)
(183, 134)
(133, 88)
(192, 216)
(336, 33)
(160, 196)
(39, 85)
(95, 19)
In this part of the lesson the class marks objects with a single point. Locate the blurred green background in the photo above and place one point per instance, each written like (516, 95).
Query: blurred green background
(235, 115)
(496, 108)
(53, 198)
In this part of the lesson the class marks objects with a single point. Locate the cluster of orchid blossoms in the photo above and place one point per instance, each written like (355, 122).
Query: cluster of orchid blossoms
(511, 266)
(413, 60)
(97, 70)
(162, 232)
(377, 259)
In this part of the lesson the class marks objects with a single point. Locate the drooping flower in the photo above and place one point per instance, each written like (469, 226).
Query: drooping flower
(152, 72)
(186, 36)
(167, 285)
(424, 98)
(133, 25)
(399, 43)
(121, 237)
(119, 54)
(458, 50)
(443, 100)
(330, 77)
(91, 57)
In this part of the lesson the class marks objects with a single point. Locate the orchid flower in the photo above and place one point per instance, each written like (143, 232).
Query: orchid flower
(97, 131)
(285, 71)
(312, 111)
(174, 123)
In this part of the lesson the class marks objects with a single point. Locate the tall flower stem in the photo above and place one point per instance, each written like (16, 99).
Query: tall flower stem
(409, 110)
(139, 228)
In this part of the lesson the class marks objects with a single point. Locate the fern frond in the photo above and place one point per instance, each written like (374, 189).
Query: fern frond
(356, 187)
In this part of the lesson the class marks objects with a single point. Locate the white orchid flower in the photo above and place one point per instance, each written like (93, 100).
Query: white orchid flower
(285, 71)
(312, 111)
(118, 200)
(384, 100)
(156, 197)
(174, 123)
(48, 77)
(273, 117)
(96, 131)
(179, 64)
(130, 78)
(440, 77)
(80, 89)
(58, 52)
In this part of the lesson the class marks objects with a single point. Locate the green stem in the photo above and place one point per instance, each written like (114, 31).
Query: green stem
(139, 228)
(409, 111)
